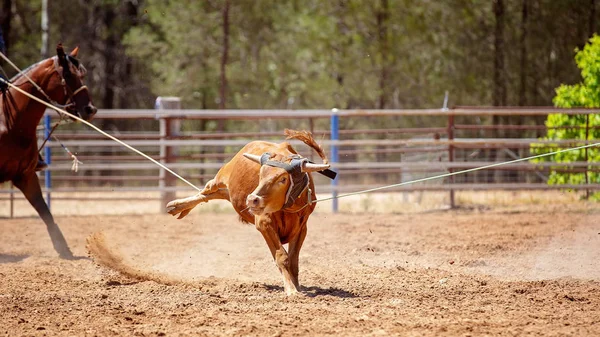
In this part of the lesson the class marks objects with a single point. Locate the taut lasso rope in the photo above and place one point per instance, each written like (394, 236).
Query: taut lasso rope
(458, 172)
(5, 58)
(313, 201)
(100, 131)
(318, 200)
(76, 161)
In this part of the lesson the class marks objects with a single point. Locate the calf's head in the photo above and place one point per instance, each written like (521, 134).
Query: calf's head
(280, 182)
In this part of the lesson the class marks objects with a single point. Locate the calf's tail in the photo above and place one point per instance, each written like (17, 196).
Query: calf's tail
(307, 138)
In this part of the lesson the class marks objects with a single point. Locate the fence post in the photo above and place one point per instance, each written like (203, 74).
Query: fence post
(587, 167)
(48, 159)
(168, 128)
(12, 200)
(451, 156)
(334, 157)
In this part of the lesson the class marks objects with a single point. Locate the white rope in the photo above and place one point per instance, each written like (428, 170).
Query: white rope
(100, 131)
(456, 173)
(60, 123)
(76, 161)
(24, 74)
(75, 164)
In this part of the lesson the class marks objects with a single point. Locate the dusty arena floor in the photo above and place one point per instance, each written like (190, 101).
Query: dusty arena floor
(509, 271)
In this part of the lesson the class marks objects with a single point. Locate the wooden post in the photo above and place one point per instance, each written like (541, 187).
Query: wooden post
(451, 155)
(311, 124)
(169, 128)
(12, 200)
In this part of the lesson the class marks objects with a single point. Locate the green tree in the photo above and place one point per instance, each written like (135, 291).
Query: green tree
(585, 94)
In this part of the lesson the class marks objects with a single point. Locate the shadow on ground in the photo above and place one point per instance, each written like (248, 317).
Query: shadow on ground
(11, 258)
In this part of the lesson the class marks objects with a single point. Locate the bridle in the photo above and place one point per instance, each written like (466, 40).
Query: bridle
(69, 93)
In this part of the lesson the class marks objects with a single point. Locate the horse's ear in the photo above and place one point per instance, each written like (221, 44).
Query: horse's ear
(74, 52)
(60, 51)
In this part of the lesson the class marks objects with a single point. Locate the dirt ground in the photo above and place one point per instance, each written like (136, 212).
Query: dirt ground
(479, 271)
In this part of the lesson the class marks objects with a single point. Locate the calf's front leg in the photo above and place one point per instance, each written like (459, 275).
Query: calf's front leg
(280, 255)
(294, 251)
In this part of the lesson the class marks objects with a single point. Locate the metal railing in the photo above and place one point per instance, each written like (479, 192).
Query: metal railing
(368, 147)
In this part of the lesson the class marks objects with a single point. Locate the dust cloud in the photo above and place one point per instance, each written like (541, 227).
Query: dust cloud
(111, 258)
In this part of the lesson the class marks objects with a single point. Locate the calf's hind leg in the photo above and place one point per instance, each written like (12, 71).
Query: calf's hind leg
(213, 190)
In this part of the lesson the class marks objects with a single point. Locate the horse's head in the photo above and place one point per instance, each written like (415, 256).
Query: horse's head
(76, 94)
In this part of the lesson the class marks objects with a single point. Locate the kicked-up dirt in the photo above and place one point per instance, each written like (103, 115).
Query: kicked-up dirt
(509, 271)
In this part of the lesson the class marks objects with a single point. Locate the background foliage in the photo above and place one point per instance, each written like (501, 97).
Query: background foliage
(313, 54)
(585, 94)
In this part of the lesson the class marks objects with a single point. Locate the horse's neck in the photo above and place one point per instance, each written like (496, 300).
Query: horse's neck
(22, 112)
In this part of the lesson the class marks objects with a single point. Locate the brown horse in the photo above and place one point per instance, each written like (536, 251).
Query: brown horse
(60, 79)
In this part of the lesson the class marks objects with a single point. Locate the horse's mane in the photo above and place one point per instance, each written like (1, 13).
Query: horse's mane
(71, 59)
(26, 70)
(5, 116)
(4, 113)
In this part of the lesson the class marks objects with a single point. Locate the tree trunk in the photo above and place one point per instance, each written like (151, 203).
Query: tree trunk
(109, 59)
(127, 82)
(224, 56)
(5, 23)
(499, 97)
(383, 15)
(523, 75)
(499, 94)
(592, 18)
(520, 176)
(223, 88)
(108, 98)
(382, 26)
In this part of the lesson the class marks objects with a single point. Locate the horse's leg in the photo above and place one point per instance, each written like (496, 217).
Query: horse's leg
(29, 184)
(3, 126)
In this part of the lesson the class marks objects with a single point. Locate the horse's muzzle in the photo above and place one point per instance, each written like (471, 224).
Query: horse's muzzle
(88, 112)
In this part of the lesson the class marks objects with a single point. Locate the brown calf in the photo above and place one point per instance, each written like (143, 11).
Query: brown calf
(270, 186)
